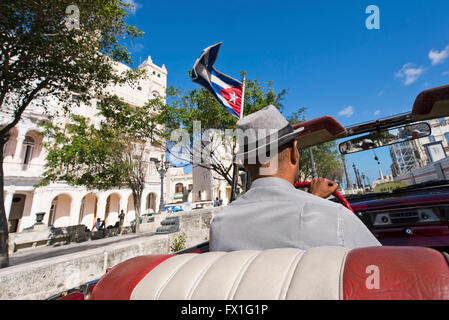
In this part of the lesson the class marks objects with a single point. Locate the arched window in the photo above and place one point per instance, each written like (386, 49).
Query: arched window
(29, 148)
(151, 202)
(179, 188)
(432, 139)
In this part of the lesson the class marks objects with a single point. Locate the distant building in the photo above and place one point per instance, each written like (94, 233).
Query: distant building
(208, 185)
(405, 157)
(411, 155)
(64, 205)
(179, 186)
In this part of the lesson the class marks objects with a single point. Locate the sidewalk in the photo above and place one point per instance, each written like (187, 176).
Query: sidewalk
(45, 273)
(31, 255)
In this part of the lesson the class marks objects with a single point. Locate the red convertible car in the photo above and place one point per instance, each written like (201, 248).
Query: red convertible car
(412, 223)
(412, 216)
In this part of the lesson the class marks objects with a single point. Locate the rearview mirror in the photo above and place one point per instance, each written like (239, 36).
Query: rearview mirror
(386, 137)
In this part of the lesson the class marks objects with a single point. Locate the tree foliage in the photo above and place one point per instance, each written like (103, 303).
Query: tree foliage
(43, 54)
(113, 153)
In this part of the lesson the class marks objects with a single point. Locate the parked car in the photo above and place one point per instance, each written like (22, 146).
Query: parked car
(174, 208)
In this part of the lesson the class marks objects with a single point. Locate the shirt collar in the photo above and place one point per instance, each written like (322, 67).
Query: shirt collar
(270, 181)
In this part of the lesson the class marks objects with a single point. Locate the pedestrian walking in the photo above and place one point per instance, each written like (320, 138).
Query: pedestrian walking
(121, 221)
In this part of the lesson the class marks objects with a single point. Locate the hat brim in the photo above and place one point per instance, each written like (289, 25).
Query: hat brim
(280, 142)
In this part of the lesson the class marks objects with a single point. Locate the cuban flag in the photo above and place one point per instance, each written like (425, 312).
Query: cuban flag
(227, 91)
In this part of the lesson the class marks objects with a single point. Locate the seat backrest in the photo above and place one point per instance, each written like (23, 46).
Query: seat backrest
(318, 273)
(404, 273)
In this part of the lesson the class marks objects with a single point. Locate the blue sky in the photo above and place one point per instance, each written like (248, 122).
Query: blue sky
(320, 51)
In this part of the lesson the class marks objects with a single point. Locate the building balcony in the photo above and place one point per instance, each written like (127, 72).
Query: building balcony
(23, 170)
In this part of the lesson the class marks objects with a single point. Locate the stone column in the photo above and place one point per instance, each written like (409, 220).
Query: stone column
(28, 219)
(8, 202)
(143, 202)
(36, 206)
(101, 205)
(123, 202)
(75, 207)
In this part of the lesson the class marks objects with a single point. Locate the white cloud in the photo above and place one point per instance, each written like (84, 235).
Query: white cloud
(134, 6)
(377, 112)
(409, 73)
(438, 57)
(347, 112)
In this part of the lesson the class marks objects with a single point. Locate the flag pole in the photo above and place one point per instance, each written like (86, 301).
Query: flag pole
(243, 95)
(236, 165)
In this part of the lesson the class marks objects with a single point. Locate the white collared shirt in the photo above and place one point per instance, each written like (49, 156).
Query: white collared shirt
(273, 214)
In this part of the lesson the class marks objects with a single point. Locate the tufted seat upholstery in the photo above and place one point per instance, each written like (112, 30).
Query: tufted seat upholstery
(330, 273)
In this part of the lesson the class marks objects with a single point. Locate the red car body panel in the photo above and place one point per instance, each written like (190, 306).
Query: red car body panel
(435, 235)
(406, 202)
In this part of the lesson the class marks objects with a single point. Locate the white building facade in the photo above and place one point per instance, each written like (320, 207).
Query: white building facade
(179, 186)
(64, 205)
(208, 185)
(411, 155)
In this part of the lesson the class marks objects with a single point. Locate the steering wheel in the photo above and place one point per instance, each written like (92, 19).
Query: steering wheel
(336, 194)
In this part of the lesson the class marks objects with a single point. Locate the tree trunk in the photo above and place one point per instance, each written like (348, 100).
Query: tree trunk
(137, 198)
(4, 257)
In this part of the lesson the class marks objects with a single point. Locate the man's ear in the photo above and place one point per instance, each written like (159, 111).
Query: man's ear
(294, 154)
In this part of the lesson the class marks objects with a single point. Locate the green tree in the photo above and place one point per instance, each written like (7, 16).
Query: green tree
(184, 108)
(112, 154)
(52, 48)
(326, 156)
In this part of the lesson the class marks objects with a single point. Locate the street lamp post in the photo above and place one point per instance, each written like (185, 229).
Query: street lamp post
(357, 177)
(348, 181)
(312, 161)
(161, 167)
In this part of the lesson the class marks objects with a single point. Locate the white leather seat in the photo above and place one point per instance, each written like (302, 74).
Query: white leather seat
(247, 275)
(322, 273)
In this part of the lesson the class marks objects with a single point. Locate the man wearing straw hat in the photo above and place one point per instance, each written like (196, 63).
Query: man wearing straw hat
(273, 214)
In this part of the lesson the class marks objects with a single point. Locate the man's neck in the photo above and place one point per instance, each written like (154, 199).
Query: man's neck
(279, 176)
